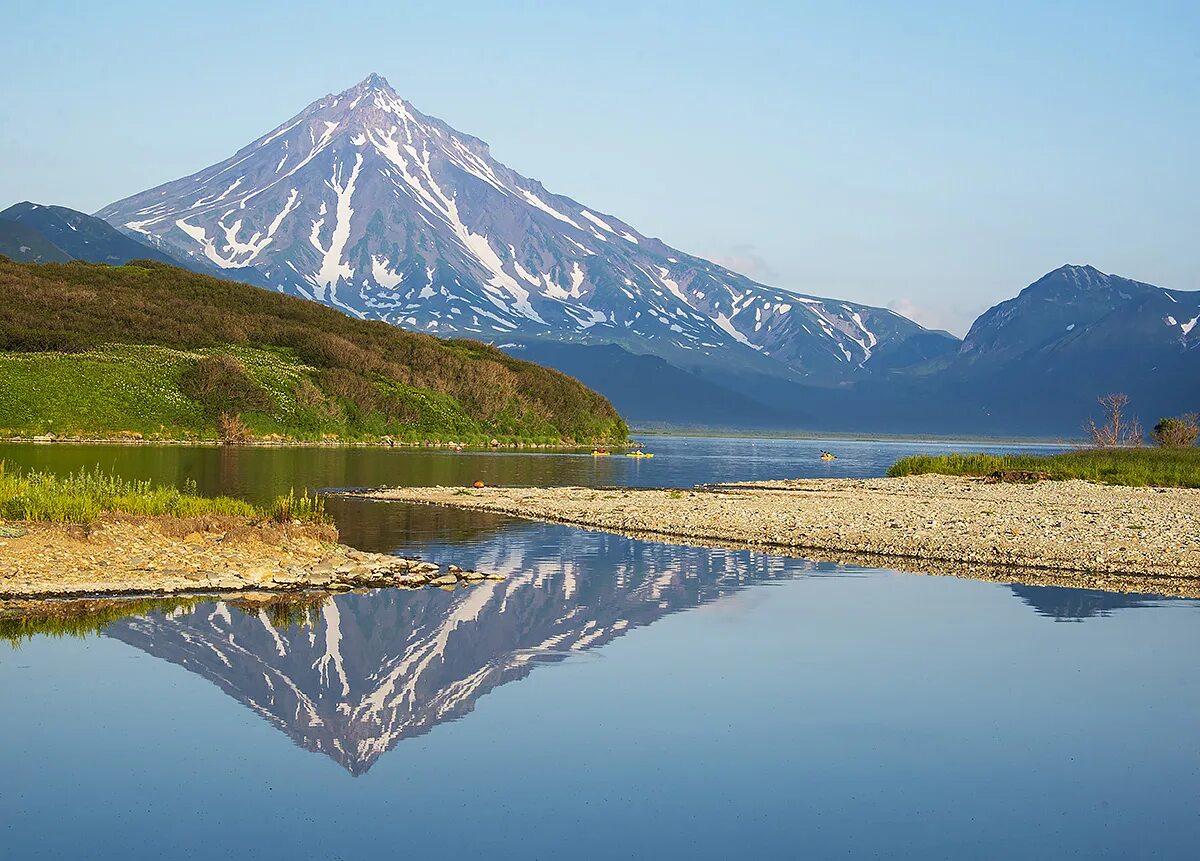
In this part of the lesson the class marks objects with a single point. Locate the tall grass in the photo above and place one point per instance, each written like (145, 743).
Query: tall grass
(83, 496)
(303, 507)
(1136, 467)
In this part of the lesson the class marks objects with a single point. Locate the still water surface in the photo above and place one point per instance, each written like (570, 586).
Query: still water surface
(610, 699)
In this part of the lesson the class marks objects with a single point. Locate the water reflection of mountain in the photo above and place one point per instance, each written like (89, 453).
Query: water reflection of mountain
(374, 669)
(1074, 605)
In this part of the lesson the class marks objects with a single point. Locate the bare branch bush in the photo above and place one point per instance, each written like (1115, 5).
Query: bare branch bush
(232, 430)
(1116, 429)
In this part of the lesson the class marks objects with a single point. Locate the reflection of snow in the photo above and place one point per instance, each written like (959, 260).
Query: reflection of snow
(377, 668)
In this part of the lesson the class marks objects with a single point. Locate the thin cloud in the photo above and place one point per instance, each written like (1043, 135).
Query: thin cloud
(950, 318)
(746, 260)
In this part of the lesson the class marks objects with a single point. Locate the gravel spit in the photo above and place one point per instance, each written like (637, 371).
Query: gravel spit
(1053, 532)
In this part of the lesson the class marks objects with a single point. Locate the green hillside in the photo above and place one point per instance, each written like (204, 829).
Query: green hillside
(150, 349)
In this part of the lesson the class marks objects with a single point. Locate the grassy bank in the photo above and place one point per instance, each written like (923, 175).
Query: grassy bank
(1138, 467)
(155, 351)
(147, 391)
(84, 496)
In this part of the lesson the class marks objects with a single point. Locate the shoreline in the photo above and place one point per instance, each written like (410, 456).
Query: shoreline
(838, 436)
(290, 443)
(125, 556)
(1068, 533)
(853, 436)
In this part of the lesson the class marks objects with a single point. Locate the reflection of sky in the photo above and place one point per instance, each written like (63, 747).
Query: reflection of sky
(880, 714)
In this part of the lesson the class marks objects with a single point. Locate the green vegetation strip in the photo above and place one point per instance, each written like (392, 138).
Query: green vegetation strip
(150, 351)
(1136, 467)
(84, 496)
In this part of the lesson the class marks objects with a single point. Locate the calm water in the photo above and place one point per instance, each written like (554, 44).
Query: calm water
(610, 699)
(259, 474)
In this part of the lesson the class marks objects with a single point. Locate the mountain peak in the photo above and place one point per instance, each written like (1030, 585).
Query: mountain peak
(373, 81)
(1083, 272)
(1074, 278)
(1076, 268)
(371, 105)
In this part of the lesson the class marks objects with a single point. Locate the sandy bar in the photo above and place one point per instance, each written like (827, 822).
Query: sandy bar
(1069, 533)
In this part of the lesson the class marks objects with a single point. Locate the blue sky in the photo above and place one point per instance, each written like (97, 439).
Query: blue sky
(934, 158)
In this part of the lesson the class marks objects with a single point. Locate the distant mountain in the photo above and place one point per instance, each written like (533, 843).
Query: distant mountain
(364, 203)
(648, 390)
(1078, 310)
(74, 236)
(1032, 365)
(1039, 361)
(26, 244)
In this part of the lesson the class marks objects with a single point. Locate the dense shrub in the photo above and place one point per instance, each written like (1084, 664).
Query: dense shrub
(1180, 432)
(221, 385)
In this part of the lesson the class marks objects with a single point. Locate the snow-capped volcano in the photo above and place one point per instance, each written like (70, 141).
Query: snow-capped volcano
(364, 203)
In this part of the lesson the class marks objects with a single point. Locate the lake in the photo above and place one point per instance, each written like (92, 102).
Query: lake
(611, 698)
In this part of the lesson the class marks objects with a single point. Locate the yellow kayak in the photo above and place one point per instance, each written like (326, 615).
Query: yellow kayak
(600, 453)
(638, 454)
